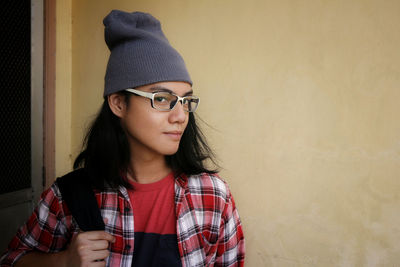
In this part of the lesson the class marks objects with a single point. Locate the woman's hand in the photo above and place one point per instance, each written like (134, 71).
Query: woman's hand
(89, 249)
(86, 249)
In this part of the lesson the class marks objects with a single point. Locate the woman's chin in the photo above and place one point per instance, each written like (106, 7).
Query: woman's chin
(170, 151)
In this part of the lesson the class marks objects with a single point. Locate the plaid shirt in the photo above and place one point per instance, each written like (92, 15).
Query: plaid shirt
(208, 226)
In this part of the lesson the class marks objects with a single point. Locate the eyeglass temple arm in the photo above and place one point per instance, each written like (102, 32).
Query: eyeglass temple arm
(141, 93)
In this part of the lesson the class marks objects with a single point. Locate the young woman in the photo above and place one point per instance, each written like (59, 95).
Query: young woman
(144, 159)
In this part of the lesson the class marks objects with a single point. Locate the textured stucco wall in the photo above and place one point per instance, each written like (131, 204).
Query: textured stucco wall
(303, 100)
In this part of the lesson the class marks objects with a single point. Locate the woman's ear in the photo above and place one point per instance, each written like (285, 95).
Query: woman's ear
(117, 104)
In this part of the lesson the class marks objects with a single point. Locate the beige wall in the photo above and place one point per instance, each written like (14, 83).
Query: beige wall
(302, 98)
(63, 86)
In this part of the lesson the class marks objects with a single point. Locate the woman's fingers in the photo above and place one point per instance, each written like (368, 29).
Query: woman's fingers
(98, 255)
(90, 248)
(98, 264)
(99, 244)
(99, 235)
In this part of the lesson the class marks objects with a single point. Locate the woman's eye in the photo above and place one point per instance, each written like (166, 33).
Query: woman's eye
(160, 99)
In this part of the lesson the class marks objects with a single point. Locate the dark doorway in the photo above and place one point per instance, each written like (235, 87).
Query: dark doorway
(21, 131)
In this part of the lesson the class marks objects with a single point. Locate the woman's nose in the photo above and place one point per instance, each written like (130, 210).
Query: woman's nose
(178, 114)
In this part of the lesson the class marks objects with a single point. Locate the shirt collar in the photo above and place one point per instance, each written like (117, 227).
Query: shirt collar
(181, 180)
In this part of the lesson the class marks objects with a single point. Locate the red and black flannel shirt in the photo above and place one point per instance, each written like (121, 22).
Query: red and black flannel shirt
(208, 226)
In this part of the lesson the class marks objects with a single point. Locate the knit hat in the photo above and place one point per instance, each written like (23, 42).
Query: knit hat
(140, 52)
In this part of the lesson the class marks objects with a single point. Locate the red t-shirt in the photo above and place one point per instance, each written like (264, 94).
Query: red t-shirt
(155, 223)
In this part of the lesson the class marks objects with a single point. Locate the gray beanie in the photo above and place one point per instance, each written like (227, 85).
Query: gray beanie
(140, 52)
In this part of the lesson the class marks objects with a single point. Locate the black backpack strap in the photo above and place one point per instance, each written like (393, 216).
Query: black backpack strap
(81, 201)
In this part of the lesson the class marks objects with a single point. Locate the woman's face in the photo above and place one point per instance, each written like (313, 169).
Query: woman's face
(150, 131)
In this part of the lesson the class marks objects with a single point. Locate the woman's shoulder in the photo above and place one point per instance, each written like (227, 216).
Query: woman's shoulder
(69, 181)
(204, 176)
(74, 176)
(208, 183)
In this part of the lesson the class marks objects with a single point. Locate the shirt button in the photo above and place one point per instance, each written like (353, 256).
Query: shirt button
(127, 247)
(127, 209)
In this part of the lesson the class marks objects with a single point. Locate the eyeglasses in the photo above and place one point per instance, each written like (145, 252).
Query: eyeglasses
(167, 101)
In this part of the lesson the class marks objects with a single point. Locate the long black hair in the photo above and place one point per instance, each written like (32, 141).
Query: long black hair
(105, 154)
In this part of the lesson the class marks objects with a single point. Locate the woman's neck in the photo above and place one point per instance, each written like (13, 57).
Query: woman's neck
(147, 170)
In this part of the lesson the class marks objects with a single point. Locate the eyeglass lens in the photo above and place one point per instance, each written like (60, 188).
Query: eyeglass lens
(167, 101)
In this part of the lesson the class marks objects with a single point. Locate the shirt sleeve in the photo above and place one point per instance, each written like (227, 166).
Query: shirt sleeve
(231, 247)
(47, 230)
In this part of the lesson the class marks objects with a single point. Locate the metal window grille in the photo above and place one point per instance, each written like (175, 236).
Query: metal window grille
(15, 96)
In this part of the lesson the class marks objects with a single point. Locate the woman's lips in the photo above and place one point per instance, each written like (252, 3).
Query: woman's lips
(175, 135)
